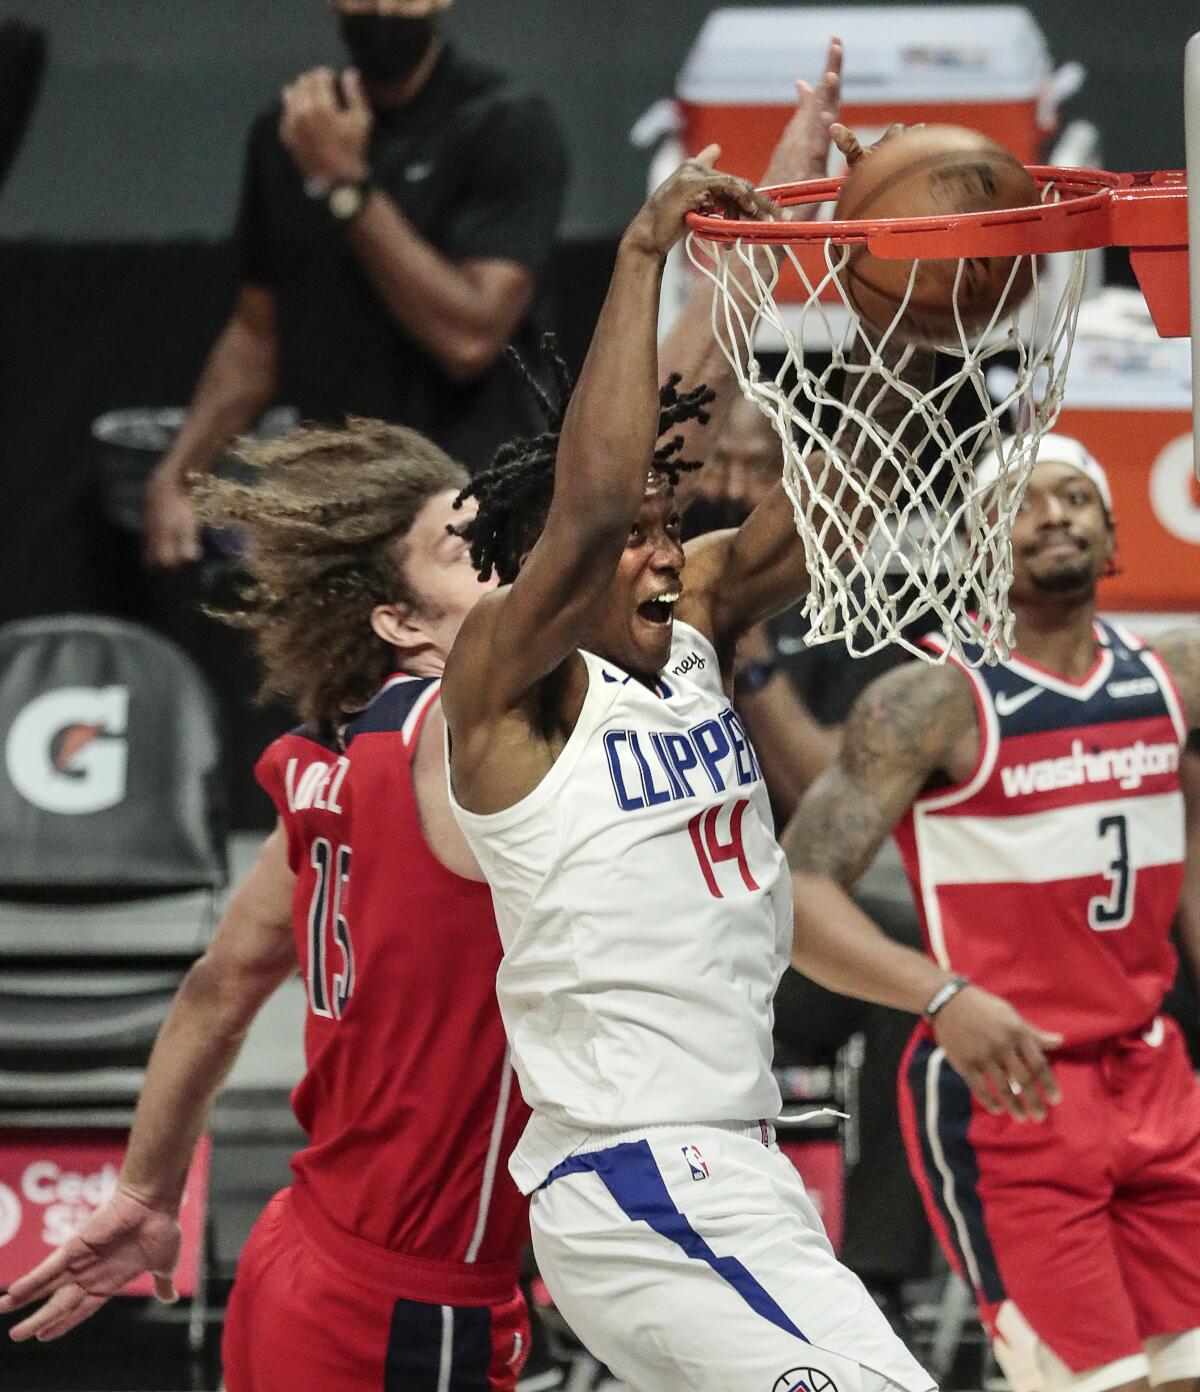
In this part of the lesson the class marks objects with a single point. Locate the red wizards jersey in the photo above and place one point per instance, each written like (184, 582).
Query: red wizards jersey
(1051, 876)
(409, 1100)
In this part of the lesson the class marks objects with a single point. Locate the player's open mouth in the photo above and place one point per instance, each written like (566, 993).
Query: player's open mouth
(1068, 545)
(659, 610)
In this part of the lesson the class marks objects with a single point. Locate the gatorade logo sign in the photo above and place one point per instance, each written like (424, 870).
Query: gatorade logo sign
(66, 751)
(1173, 491)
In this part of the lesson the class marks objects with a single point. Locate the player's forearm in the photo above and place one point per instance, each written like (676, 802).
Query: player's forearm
(1187, 916)
(437, 303)
(692, 351)
(609, 432)
(836, 944)
(196, 1047)
(793, 748)
(238, 383)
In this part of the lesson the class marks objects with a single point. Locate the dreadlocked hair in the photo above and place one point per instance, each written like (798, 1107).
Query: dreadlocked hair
(324, 528)
(514, 494)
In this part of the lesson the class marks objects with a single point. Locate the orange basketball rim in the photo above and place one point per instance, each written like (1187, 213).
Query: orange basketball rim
(1145, 212)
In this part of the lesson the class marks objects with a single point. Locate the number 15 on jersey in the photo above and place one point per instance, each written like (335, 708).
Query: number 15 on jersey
(327, 921)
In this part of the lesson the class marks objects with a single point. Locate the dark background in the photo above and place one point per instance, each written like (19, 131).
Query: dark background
(113, 273)
(140, 130)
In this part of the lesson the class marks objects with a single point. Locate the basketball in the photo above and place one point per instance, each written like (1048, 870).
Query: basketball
(925, 172)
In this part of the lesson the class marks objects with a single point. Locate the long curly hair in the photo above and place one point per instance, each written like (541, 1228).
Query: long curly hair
(514, 495)
(324, 528)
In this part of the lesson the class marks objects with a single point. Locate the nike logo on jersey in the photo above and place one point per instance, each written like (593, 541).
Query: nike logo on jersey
(1155, 1034)
(1008, 705)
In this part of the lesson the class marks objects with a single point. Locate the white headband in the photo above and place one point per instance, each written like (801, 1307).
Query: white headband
(1052, 449)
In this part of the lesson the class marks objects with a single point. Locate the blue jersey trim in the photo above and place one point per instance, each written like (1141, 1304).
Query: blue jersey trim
(954, 1115)
(388, 711)
(631, 1175)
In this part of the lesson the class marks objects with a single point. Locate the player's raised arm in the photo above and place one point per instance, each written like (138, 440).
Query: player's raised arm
(516, 637)
(906, 728)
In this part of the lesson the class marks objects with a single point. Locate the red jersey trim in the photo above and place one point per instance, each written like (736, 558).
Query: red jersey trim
(1170, 692)
(415, 721)
(487, 1181)
(405, 1277)
(989, 738)
(1083, 689)
(1131, 640)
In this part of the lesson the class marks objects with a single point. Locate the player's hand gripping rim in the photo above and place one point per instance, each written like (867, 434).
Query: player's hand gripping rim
(697, 186)
(999, 1054)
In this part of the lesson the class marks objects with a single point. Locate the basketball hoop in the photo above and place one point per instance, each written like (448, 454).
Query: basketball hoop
(880, 469)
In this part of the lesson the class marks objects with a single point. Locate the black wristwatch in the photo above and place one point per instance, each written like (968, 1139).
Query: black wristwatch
(754, 676)
(345, 201)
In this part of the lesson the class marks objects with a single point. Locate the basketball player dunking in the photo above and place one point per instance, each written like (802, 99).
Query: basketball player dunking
(368, 887)
(617, 808)
(1039, 810)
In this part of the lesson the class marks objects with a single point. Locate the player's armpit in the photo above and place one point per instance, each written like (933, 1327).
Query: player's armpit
(905, 728)
(1180, 650)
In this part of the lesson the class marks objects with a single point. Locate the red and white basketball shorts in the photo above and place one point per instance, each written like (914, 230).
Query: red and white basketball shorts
(1089, 1222)
(302, 1319)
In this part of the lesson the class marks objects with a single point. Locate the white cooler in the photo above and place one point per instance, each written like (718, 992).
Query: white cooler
(984, 66)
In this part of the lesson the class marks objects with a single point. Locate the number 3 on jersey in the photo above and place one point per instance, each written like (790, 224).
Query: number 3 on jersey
(1107, 912)
(326, 919)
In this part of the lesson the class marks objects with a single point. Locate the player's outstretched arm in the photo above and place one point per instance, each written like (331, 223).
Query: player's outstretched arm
(905, 728)
(136, 1230)
(517, 636)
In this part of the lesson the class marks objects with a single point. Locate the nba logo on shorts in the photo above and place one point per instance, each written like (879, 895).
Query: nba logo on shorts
(696, 1162)
(804, 1380)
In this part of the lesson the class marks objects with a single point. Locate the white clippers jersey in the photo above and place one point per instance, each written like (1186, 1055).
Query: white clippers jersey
(646, 914)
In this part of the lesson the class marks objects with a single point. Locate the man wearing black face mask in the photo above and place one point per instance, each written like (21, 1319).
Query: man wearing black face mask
(395, 219)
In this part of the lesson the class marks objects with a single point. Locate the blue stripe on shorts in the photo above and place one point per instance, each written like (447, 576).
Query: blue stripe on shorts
(631, 1175)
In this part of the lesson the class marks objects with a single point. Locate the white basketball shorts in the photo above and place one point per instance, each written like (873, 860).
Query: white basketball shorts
(691, 1260)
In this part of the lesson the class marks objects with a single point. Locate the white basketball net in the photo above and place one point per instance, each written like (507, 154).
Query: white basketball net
(881, 480)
